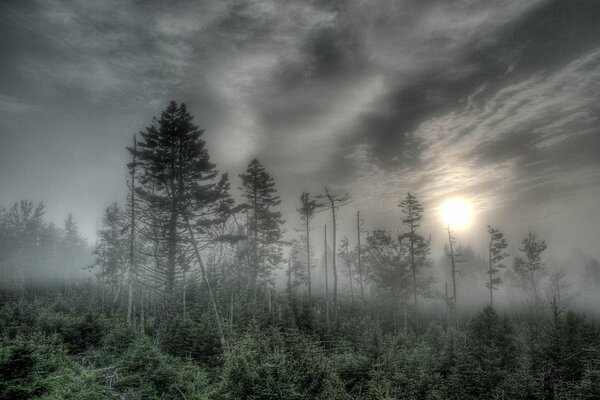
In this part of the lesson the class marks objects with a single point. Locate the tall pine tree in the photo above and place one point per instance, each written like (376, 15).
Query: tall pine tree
(177, 183)
(418, 247)
(264, 223)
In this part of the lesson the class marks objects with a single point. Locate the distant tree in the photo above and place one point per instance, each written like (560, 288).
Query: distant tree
(333, 201)
(74, 247)
(418, 247)
(388, 269)
(452, 256)
(347, 257)
(296, 271)
(307, 210)
(497, 253)
(22, 231)
(112, 249)
(530, 266)
(264, 222)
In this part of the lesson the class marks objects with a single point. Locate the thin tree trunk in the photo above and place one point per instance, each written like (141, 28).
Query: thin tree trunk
(405, 318)
(453, 276)
(491, 282)
(534, 288)
(308, 258)
(224, 344)
(414, 279)
(142, 316)
(132, 236)
(360, 276)
(350, 273)
(184, 293)
(335, 277)
(231, 310)
(172, 246)
(558, 288)
(326, 280)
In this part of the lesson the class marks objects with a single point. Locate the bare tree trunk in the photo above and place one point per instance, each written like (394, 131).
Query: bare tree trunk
(308, 258)
(333, 265)
(535, 293)
(231, 310)
(417, 321)
(326, 280)
(183, 294)
(360, 276)
(405, 318)
(213, 303)
(491, 281)
(132, 236)
(142, 316)
(129, 297)
(172, 248)
(447, 302)
(350, 273)
(558, 288)
(453, 275)
(413, 268)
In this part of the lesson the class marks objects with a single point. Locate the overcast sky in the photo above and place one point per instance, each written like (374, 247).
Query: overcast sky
(496, 102)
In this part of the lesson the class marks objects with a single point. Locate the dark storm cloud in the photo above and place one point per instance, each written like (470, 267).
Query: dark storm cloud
(544, 38)
(472, 97)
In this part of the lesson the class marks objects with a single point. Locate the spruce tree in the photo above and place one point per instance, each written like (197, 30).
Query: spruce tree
(530, 267)
(111, 250)
(176, 183)
(497, 247)
(264, 223)
(307, 210)
(418, 247)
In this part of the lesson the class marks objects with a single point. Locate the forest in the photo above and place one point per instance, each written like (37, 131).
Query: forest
(197, 288)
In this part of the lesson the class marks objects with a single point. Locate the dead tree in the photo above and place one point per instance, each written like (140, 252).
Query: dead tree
(333, 202)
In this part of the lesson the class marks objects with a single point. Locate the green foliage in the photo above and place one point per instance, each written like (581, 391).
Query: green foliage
(54, 350)
(279, 366)
(20, 367)
(264, 223)
(154, 375)
(490, 355)
(193, 338)
(38, 367)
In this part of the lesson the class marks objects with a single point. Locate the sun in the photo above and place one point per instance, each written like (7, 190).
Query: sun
(456, 213)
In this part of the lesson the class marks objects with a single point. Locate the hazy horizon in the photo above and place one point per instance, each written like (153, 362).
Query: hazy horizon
(496, 104)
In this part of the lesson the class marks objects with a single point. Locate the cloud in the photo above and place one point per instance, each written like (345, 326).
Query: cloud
(496, 100)
(531, 141)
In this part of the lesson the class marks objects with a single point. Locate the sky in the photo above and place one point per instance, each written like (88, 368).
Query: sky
(495, 102)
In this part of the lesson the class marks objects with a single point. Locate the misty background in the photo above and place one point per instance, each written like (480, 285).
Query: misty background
(493, 103)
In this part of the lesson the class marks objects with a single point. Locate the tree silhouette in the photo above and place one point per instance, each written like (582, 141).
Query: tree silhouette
(264, 223)
(497, 253)
(530, 266)
(418, 247)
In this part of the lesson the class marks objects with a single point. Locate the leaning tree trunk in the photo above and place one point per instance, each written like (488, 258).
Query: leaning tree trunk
(215, 310)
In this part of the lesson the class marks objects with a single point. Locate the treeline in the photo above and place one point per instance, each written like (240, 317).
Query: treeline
(189, 300)
(37, 253)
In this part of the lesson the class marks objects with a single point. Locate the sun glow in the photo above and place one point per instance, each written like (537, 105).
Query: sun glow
(456, 213)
